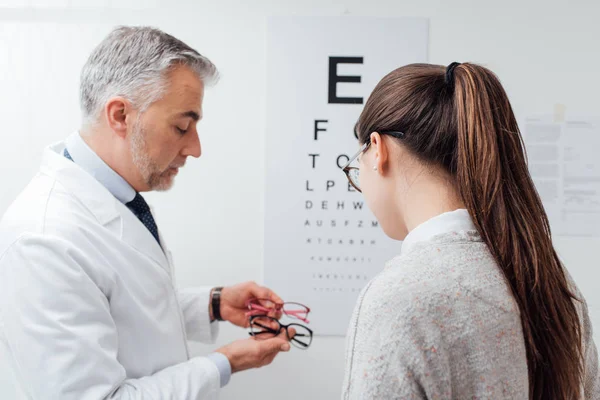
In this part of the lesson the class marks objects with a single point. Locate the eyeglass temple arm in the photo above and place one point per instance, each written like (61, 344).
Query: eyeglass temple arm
(279, 307)
(293, 339)
(300, 343)
(295, 314)
(260, 312)
(351, 159)
(256, 307)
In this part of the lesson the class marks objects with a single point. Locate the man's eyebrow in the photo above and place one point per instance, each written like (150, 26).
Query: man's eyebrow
(190, 114)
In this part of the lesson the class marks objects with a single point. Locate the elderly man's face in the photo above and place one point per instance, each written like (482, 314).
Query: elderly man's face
(165, 134)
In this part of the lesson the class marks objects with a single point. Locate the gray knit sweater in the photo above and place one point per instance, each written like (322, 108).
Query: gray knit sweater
(440, 323)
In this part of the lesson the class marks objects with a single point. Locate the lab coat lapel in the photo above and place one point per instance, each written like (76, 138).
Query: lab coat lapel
(102, 204)
(138, 236)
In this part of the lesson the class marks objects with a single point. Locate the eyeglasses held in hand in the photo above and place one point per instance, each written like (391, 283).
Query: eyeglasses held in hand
(263, 327)
(265, 306)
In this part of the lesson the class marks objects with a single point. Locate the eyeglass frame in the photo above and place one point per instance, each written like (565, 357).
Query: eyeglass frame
(347, 168)
(281, 326)
(278, 307)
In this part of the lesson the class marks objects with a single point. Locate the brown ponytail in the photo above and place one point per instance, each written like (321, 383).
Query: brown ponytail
(467, 126)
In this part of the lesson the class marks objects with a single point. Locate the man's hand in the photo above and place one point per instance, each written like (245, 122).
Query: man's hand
(234, 298)
(251, 353)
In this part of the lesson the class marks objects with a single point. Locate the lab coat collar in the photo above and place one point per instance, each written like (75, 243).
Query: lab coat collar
(101, 203)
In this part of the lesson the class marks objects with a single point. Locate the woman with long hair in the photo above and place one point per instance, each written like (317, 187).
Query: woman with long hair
(478, 304)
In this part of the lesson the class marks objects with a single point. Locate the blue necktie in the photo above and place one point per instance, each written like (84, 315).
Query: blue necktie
(139, 208)
(67, 155)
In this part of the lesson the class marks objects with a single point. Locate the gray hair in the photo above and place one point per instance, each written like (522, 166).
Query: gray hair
(132, 62)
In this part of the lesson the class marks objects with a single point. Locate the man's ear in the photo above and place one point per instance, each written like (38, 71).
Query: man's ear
(117, 111)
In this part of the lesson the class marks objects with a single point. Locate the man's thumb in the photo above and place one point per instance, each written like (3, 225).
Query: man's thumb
(279, 343)
(284, 346)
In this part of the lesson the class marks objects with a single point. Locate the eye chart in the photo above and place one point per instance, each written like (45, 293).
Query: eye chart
(322, 244)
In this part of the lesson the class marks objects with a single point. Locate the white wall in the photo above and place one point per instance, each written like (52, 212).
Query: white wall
(545, 52)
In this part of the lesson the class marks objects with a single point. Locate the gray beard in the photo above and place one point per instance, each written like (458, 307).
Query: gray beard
(150, 171)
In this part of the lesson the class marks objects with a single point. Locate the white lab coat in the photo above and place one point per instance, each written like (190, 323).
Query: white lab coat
(88, 309)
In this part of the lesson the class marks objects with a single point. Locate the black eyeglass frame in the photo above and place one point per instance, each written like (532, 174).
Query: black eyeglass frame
(294, 341)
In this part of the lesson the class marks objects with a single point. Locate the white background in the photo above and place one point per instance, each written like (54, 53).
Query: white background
(545, 52)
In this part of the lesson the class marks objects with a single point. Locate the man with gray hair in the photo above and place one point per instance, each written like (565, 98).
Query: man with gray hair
(88, 307)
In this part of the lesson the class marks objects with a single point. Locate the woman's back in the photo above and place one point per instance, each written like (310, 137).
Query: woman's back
(440, 323)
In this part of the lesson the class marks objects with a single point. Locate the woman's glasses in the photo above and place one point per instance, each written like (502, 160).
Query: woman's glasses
(353, 173)
(265, 306)
(263, 327)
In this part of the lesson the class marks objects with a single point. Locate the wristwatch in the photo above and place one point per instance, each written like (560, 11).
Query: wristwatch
(216, 303)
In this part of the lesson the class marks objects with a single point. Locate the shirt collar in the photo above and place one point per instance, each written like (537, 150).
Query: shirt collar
(90, 162)
(453, 221)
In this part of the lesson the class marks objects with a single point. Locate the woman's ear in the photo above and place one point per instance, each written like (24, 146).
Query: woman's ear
(381, 156)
